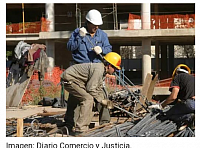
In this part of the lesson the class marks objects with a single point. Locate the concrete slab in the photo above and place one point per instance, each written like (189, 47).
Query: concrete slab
(161, 91)
(126, 33)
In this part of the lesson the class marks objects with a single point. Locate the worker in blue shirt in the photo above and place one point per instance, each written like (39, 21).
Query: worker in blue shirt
(85, 41)
(86, 44)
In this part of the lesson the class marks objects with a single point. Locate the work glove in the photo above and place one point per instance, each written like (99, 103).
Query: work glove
(82, 31)
(107, 103)
(97, 49)
(156, 106)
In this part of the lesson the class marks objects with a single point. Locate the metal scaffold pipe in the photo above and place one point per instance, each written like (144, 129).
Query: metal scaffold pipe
(23, 17)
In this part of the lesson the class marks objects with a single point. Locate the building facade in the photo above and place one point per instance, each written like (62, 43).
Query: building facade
(127, 24)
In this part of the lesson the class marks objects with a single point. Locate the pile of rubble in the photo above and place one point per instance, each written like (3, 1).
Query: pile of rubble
(149, 126)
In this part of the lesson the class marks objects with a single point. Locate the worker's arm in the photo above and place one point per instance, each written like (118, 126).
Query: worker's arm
(172, 97)
(95, 84)
(105, 45)
(74, 40)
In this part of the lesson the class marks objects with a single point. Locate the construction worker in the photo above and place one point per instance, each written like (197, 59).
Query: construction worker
(86, 43)
(182, 87)
(87, 40)
(84, 81)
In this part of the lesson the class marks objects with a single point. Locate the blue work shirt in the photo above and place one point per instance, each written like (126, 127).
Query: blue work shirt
(82, 49)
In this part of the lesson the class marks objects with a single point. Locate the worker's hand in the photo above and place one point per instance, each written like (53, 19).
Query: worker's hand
(107, 103)
(156, 106)
(82, 31)
(97, 49)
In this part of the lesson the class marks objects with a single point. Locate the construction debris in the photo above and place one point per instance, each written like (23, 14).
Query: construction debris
(128, 102)
(124, 103)
(149, 126)
(37, 126)
(114, 130)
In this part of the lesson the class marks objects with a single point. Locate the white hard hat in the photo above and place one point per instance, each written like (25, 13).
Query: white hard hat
(181, 70)
(94, 17)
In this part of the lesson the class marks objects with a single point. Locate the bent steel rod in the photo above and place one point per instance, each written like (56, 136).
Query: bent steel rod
(133, 94)
(132, 115)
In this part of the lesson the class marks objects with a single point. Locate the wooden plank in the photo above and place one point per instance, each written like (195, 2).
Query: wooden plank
(151, 88)
(51, 113)
(15, 92)
(144, 90)
(46, 125)
(20, 127)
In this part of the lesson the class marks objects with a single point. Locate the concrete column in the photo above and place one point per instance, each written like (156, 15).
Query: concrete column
(171, 59)
(164, 64)
(157, 65)
(146, 42)
(146, 58)
(49, 8)
(146, 15)
(50, 17)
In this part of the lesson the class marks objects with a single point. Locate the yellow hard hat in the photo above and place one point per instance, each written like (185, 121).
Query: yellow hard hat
(181, 67)
(114, 59)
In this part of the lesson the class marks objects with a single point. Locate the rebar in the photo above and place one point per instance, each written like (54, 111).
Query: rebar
(191, 134)
(118, 131)
(144, 122)
(132, 94)
(34, 130)
(112, 132)
(10, 130)
(129, 113)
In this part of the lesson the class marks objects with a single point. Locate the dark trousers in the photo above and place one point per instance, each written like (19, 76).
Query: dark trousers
(182, 111)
